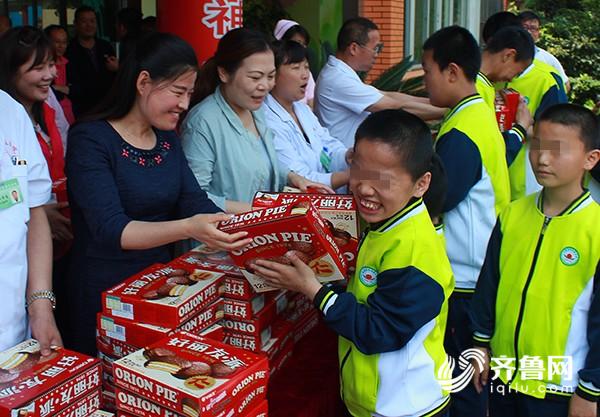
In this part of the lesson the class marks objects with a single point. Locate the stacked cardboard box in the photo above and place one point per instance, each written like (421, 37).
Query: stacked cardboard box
(152, 305)
(191, 376)
(63, 383)
(261, 322)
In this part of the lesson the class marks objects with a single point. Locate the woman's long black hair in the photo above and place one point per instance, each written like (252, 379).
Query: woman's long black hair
(162, 55)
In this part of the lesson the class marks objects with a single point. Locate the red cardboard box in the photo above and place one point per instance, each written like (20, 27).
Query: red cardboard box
(281, 358)
(256, 326)
(44, 385)
(237, 289)
(107, 362)
(506, 109)
(192, 375)
(140, 334)
(136, 405)
(102, 413)
(109, 401)
(245, 310)
(280, 231)
(208, 259)
(139, 406)
(283, 330)
(261, 410)
(215, 332)
(113, 347)
(84, 407)
(253, 342)
(298, 306)
(162, 295)
(305, 324)
(338, 211)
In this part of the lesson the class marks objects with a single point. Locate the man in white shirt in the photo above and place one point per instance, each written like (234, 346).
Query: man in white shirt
(531, 22)
(342, 100)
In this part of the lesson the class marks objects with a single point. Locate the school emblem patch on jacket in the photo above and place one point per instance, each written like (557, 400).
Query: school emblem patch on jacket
(368, 276)
(569, 256)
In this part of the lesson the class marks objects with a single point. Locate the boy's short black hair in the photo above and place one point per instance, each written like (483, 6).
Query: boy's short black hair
(455, 44)
(498, 21)
(529, 15)
(575, 116)
(513, 37)
(405, 133)
(355, 30)
(435, 196)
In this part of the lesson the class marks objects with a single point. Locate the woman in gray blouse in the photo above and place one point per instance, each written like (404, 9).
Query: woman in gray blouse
(226, 141)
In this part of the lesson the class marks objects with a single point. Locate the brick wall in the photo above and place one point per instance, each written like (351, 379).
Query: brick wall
(389, 16)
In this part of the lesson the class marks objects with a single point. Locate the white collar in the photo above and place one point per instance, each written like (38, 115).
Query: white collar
(342, 66)
(274, 106)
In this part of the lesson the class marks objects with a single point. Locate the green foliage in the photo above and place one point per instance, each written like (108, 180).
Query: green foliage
(570, 31)
(262, 15)
(393, 78)
(585, 90)
(572, 36)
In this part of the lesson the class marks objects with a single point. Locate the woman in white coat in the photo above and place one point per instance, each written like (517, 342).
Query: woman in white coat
(26, 298)
(301, 143)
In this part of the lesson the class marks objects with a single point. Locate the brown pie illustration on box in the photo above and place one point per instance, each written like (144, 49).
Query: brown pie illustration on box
(197, 374)
(175, 283)
(19, 362)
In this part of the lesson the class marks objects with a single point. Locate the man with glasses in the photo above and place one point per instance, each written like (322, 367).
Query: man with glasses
(532, 23)
(342, 100)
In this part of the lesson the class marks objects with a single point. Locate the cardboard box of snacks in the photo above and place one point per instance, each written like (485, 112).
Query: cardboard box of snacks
(280, 231)
(38, 386)
(162, 295)
(194, 376)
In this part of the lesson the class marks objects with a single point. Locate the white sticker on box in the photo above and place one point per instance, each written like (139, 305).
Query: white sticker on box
(113, 303)
(117, 332)
(119, 309)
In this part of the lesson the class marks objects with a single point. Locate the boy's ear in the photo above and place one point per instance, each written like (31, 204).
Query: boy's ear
(509, 54)
(422, 185)
(454, 72)
(591, 159)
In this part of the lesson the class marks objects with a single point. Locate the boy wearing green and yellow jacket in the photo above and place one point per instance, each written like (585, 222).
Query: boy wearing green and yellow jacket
(537, 301)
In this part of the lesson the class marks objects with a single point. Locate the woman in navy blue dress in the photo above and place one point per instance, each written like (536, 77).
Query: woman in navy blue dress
(131, 191)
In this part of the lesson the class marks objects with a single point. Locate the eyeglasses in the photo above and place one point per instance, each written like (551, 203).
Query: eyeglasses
(377, 50)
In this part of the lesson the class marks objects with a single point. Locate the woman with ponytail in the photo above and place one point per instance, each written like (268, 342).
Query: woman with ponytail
(225, 138)
(132, 193)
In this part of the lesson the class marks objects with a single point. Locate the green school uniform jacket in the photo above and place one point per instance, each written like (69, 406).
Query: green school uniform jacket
(391, 319)
(473, 153)
(542, 87)
(538, 301)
